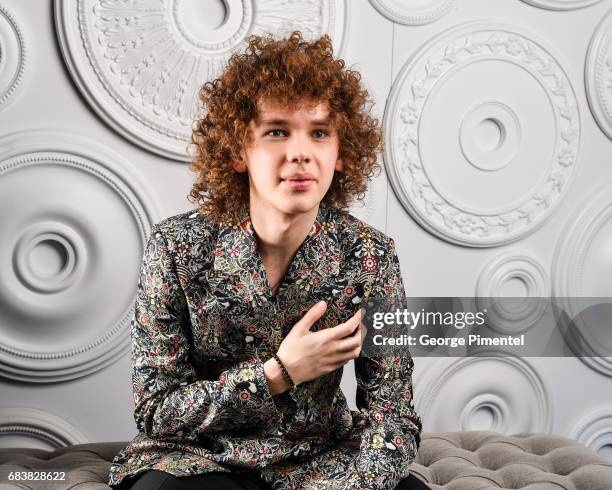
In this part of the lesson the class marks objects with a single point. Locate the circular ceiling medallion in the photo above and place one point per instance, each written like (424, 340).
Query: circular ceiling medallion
(415, 12)
(594, 430)
(490, 134)
(140, 63)
(12, 55)
(581, 269)
(466, 394)
(34, 428)
(372, 203)
(482, 134)
(513, 288)
(598, 74)
(561, 4)
(72, 234)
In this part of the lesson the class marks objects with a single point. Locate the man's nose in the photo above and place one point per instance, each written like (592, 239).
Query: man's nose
(299, 149)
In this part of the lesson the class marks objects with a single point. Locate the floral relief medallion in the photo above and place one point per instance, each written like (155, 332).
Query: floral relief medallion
(482, 134)
(139, 63)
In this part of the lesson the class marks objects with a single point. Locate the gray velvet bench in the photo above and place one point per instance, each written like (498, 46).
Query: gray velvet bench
(446, 460)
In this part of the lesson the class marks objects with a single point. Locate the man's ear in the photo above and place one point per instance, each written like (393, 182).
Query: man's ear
(239, 165)
(339, 165)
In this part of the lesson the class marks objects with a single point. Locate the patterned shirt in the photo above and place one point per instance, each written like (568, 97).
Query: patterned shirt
(206, 320)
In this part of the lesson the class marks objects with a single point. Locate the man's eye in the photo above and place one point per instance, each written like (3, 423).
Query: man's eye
(319, 133)
(276, 132)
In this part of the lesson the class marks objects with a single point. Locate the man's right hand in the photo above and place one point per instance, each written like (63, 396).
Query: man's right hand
(308, 355)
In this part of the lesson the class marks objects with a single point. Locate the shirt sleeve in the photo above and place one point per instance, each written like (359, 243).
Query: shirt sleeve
(390, 440)
(169, 400)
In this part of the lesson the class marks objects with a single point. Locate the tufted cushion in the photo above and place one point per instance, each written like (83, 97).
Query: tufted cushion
(482, 459)
(83, 463)
(446, 460)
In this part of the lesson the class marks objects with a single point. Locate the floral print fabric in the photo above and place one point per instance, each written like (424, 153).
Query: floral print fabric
(205, 321)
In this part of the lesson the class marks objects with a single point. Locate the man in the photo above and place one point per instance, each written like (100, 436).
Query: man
(231, 384)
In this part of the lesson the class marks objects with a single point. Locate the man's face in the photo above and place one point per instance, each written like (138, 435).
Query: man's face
(291, 158)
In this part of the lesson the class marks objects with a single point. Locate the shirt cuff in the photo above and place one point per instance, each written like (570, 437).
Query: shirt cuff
(251, 388)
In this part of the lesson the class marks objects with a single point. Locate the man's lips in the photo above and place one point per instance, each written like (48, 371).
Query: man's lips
(298, 184)
(299, 176)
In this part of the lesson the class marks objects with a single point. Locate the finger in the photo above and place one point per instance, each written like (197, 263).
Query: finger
(362, 328)
(333, 366)
(350, 343)
(350, 327)
(343, 329)
(355, 333)
(358, 331)
(311, 316)
(342, 358)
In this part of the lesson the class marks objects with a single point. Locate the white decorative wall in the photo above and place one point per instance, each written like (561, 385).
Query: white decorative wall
(497, 182)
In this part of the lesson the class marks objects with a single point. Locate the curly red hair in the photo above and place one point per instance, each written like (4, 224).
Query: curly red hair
(289, 72)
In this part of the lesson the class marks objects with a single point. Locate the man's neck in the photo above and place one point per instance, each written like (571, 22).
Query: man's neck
(279, 235)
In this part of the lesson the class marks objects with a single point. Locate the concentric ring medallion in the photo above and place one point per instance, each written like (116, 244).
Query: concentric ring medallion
(73, 227)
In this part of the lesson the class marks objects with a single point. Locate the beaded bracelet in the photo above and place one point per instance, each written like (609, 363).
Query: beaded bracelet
(285, 372)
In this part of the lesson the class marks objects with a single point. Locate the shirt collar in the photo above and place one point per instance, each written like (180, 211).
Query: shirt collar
(236, 251)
